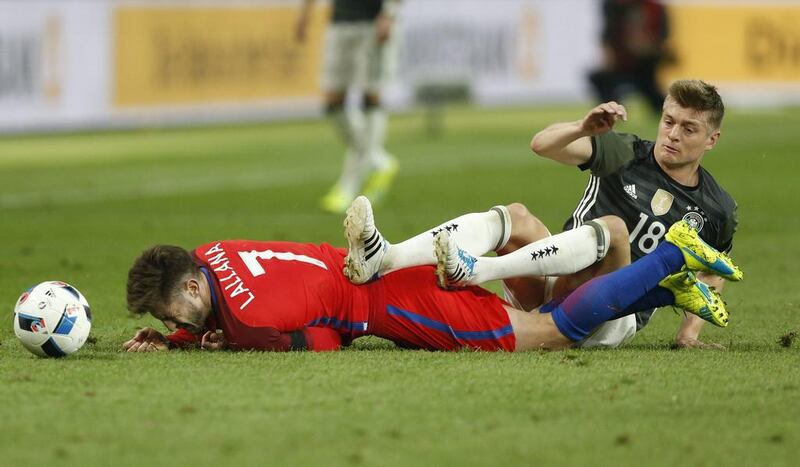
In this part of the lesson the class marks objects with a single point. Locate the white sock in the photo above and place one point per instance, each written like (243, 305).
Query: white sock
(375, 131)
(477, 233)
(557, 255)
(351, 128)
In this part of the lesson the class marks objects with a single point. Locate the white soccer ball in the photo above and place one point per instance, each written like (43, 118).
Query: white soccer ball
(52, 319)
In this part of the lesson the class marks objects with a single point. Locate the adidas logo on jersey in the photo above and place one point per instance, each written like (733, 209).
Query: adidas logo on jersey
(631, 191)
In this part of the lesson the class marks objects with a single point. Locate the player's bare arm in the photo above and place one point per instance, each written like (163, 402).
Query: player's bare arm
(146, 340)
(569, 142)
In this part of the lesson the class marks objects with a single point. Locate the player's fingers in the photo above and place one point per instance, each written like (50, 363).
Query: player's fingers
(205, 340)
(132, 344)
(609, 107)
(622, 112)
(211, 346)
(596, 117)
(615, 109)
(599, 110)
(158, 345)
(212, 341)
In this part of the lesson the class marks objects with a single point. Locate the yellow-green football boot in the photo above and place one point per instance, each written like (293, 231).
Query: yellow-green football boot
(336, 200)
(696, 297)
(699, 255)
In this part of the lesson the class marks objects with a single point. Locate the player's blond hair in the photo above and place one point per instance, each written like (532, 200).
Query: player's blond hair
(701, 96)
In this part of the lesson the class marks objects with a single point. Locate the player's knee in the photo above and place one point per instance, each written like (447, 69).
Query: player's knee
(525, 227)
(522, 219)
(519, 213)
(617, 229)
(616, 247)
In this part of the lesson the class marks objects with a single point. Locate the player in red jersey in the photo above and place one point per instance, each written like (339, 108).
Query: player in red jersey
(289, 296)
(282, 296)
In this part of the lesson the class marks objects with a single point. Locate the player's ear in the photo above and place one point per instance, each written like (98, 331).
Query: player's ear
(193, 287)
(712, 140)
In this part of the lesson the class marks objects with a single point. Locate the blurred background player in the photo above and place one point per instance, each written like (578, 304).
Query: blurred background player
(633, 41)
(358, 54)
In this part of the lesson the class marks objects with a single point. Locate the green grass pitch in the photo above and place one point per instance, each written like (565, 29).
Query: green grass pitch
(79, 208)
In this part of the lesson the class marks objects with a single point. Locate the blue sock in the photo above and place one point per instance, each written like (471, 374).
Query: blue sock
(655, 298)
(622, 292)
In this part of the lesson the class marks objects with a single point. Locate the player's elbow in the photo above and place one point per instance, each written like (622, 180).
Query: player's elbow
(536, 144)
(540, 147)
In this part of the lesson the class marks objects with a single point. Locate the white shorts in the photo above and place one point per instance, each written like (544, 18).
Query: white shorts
(610, 334)
(353, 57)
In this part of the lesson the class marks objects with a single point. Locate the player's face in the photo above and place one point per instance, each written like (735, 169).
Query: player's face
(186, 311)
(683, 136)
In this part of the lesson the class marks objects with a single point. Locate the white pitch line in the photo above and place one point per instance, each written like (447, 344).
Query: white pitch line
(158, 188)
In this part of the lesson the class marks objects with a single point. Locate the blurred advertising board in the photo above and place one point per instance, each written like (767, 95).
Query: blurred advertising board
(750, 49)
(53, 70)
(126, 63)
(201, 54)
(509, 51)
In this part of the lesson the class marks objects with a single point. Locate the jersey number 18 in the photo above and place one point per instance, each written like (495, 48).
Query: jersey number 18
(647, 240)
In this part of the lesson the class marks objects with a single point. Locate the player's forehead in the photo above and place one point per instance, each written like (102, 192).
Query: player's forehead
(683, 115)
(168, 310)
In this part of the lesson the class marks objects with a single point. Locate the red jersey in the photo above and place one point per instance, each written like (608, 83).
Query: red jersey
(279, 295)
(285, 296)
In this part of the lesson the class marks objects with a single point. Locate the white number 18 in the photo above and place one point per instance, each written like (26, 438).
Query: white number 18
(649, 240)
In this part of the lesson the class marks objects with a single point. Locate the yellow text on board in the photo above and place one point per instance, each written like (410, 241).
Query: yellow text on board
(736, 43)
(194, 55)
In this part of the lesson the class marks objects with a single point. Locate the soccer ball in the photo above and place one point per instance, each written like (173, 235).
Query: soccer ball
(52, 319)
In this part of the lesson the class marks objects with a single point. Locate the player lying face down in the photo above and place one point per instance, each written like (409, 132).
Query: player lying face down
(282, 296)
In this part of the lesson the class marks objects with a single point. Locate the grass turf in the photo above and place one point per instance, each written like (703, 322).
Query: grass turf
(79, 208)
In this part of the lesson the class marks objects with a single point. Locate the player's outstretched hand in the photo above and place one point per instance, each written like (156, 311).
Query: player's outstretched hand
(212, 341)
(146, 340)
(691, 343)
(602, 118)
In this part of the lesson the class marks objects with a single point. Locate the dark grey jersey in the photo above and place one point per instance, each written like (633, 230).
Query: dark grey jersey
(626, 181)
(356, 10)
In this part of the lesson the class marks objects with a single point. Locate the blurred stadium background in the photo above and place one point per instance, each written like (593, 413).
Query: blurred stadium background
(98, 64)
(129, 123)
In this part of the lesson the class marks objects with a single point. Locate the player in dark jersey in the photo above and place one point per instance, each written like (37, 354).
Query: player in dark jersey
(649, 184)
(282, 296)
(358, 56)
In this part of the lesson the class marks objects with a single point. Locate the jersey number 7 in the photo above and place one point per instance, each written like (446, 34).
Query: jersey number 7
(251, 259)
